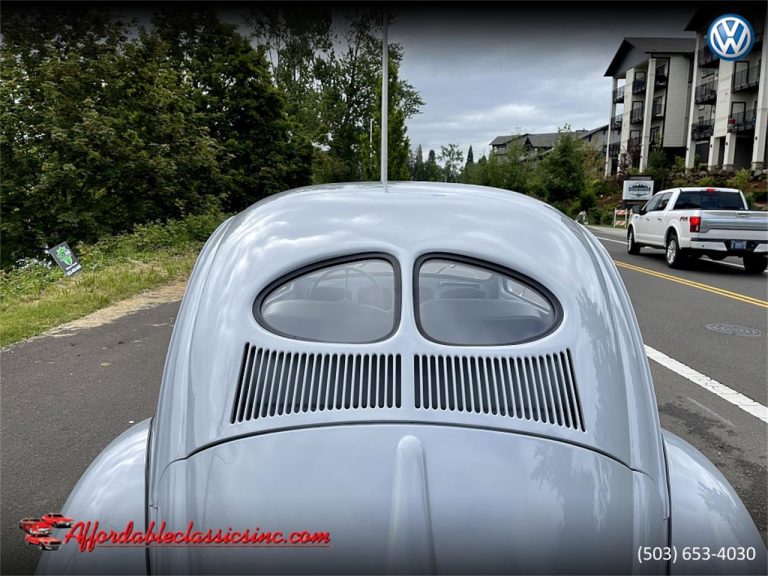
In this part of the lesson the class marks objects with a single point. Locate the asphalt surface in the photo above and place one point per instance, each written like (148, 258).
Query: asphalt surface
(65, 398)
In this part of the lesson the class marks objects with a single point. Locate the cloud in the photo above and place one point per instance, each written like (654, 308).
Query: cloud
(488, 71)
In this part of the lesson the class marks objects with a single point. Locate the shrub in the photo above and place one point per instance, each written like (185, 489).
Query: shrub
(740, 179)
(760, 196)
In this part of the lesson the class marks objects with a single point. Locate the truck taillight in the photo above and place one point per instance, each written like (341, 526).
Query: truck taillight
(695, 223)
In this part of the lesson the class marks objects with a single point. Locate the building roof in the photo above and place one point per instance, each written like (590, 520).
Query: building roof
(646, 47)
(503, 139)
(586, 133)
(541, 140)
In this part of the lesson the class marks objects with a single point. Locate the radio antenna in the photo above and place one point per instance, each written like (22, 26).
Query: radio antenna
(384, 100)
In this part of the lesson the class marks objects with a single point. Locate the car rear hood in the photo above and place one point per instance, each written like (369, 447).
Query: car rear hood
(409, 499)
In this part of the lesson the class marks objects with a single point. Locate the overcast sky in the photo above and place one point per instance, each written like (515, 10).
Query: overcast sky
(489, 70)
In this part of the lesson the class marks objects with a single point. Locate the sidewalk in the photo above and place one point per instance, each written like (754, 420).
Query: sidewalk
(609, 230)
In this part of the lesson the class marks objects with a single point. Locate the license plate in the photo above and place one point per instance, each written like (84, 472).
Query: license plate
(738, 244)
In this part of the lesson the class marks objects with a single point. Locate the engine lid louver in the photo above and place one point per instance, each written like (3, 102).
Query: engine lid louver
(538, 388)
(276, 383)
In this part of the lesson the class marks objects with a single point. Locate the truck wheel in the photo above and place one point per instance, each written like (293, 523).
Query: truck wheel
(675, 256)
(755, 264)
(632, 246)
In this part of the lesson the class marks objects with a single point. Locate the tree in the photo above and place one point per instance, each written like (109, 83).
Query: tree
(560, 173)
(470, 157)
(98, 131)
(452, 158)
(658, 168)
(432, 172)
(417, 165)
(297, 43)
(398, 145)
(244, 112)
(344, 93)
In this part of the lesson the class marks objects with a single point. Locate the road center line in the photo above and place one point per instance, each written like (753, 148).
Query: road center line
(718, 262)
(728, 394)
(692, 284)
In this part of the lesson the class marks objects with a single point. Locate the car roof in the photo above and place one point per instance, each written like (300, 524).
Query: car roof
(406, 220)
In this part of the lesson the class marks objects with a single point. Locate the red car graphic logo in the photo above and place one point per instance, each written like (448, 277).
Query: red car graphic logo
(35, 527)
(57, 520)
(43, 542)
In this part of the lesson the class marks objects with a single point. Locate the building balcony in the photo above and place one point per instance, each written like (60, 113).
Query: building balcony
(613, 150)
(702, 130)
(707, 59)
(746, 79)
(658, 109)
(636, 116)
(742, 121)
(706, 93)
(638, 86)
(617, 121)
(618, 95)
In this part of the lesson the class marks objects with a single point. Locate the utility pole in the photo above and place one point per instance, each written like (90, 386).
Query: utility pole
(384, 99)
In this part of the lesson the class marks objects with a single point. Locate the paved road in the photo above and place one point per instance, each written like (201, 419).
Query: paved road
(65, 398)
(673, 317)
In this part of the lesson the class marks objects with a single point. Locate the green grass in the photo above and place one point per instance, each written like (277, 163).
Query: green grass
(35, 298)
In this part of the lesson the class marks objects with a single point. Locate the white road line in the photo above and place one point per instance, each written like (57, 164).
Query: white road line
(731, 264)
(728, 394)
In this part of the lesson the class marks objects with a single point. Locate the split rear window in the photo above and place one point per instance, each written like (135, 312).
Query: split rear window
(470, 303)
(351, 301)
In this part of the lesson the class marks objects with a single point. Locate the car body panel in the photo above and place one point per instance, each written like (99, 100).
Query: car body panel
(112, 491)
(411, 498)
(707, 512)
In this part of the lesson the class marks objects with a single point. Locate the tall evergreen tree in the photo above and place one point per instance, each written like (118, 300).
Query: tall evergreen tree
(244, 112)
(432, 172)
(418, 165)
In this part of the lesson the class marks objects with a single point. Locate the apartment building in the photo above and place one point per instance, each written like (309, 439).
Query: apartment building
(534, 145)
(729, 108)
(531, 144)
(650, 100)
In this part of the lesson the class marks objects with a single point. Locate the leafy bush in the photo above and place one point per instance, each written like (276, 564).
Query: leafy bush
(760, 196)
(31, 276)
(740, 179)
(587, 200)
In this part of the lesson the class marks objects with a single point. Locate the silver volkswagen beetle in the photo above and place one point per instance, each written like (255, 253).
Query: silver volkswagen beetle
(405, 378)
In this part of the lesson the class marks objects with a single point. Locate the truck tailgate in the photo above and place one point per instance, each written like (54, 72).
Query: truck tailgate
(728, 222)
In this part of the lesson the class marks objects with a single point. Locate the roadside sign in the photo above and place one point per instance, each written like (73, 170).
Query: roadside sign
(65, 258)
(637, 190)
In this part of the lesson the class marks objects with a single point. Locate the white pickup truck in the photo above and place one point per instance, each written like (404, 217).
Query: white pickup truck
(693, 222)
